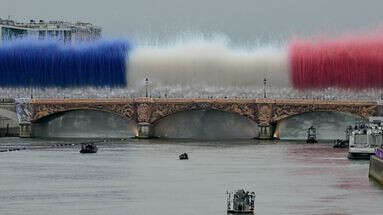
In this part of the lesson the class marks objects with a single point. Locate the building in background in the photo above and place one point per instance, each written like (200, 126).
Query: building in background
(60, 30)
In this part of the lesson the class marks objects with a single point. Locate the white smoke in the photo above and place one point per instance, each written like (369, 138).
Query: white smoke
(200, 63)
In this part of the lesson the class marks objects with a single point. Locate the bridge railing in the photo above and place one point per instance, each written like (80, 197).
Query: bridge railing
(224, 100)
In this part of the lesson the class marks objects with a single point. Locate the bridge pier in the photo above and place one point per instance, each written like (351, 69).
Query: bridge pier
(145, 130)
(266, 132)
(25, 130)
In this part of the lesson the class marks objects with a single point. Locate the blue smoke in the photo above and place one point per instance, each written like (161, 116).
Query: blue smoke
(49, 63)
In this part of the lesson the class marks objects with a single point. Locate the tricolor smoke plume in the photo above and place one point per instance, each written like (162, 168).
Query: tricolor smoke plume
(49, 63)
(347, 62)
(195, 65)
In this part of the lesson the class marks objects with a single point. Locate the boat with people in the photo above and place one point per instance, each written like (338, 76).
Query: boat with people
(365, 139)
(340, 143)
(311, 135)
(240, 202)
(343, 143)
(88, 148)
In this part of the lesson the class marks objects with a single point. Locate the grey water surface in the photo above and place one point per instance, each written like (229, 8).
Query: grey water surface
(145, 177)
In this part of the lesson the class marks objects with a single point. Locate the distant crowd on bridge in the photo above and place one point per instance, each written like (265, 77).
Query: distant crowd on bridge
(189, 92)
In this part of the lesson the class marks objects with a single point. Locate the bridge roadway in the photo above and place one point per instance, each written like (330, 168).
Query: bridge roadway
(147, 111)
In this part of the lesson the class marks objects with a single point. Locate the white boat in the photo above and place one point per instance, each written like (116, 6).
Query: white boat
(365, 139)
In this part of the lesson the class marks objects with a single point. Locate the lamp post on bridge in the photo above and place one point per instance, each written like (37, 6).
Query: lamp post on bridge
(146, 87)
(144, 128)
(264, 88)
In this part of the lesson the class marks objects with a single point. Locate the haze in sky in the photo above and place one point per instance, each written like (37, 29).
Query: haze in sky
(241, 21)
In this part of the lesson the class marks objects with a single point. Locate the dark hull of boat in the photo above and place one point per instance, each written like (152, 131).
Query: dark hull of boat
(184, 156)
(359, 156)
(88, 151)
(311, 141)
(341, 144)
(240, 212)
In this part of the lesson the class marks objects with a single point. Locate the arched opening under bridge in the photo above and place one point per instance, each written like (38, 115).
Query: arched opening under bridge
(84, 123)
(329, 125)
(9, 125)
(205, 124)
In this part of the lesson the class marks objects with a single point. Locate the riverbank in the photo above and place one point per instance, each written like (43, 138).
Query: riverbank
(376, 169)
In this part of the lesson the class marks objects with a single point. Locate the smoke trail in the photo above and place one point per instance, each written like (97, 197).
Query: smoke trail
(348, 62)
(197, 64)
(49, 63)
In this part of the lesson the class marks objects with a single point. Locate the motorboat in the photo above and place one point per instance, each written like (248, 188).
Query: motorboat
(343, 143)
(88, 148)
(311, 135)
(340, 143)
(240, 202)
(183, 156)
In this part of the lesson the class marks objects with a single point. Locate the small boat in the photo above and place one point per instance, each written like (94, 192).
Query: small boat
(240, 202)
(88, 148)
(339, 143)
(184, 156)
(311, 135)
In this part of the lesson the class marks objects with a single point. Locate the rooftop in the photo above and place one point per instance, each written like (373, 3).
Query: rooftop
(41, 24)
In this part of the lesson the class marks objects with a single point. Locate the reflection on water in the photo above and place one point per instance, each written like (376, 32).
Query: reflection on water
(146, 177)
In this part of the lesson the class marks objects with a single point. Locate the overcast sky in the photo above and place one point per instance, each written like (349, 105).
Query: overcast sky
(240, 20)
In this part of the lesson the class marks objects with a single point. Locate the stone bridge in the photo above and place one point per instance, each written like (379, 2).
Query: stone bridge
(147, 111)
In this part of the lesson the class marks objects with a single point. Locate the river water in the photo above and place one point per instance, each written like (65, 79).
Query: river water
(145, 177)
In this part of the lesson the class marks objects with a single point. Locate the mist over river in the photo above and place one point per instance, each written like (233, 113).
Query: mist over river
(146, 177)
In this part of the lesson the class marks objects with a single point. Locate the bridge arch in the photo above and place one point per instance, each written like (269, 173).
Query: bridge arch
(84, 123)
(162, 111)
(205, 124)
(281, 117)
(329, 124)
(285, 108)
(44, 115)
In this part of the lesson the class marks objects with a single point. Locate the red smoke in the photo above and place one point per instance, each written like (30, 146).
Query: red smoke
(348, 62)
